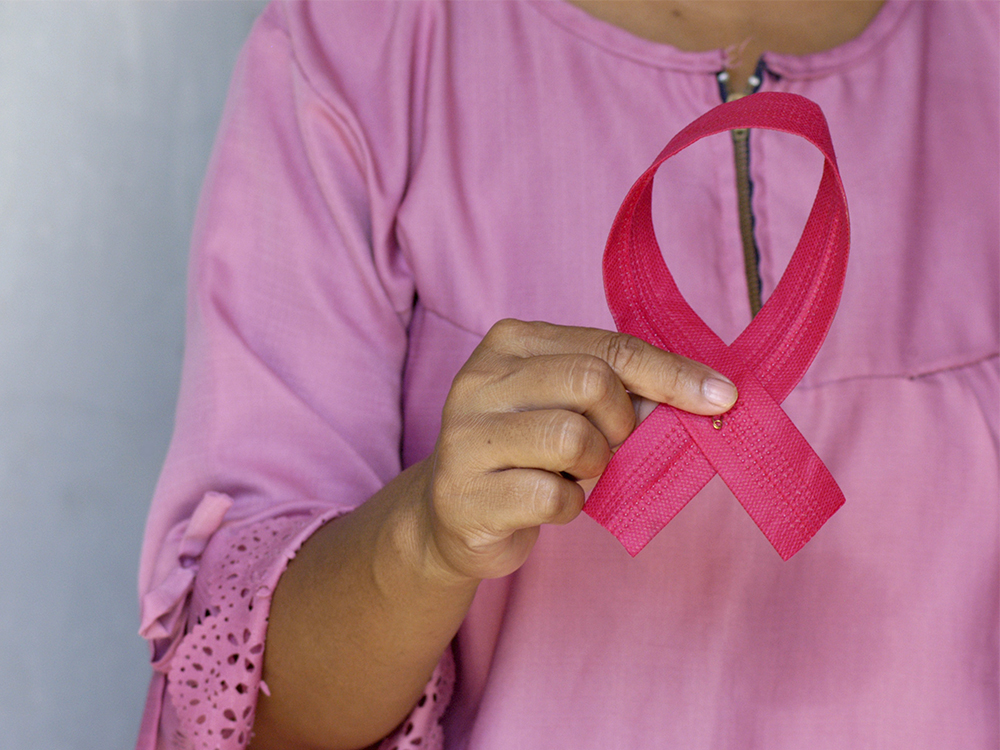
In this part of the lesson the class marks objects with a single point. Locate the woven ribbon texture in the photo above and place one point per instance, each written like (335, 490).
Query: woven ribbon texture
(755, 448)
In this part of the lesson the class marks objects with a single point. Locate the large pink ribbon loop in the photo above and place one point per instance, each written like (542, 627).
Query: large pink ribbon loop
(755, 448)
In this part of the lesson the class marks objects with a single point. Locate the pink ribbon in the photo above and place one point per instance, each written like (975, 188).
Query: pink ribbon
(754, 447)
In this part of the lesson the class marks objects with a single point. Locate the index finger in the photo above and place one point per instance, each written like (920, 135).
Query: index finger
(643, 369)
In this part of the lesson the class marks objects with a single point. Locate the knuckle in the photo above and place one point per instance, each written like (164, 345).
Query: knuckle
(470, 389)
(456, 487)
(447, 489)
(449, 438)
(443, 490)
(505, 331)
(568, 437)
(466, 384)
(591, 379)
(675, 377)
(548, 496)
(622, 351)
(459, 434)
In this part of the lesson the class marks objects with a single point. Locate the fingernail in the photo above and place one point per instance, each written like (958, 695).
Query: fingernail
(718, 392)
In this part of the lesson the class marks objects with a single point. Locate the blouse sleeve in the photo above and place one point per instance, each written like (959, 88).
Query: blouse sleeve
(289, 407)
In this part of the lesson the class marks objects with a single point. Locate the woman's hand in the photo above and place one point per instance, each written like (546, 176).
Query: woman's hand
(536, 407)
(360, 617)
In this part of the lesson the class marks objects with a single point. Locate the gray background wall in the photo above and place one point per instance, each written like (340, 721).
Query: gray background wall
(107, 115)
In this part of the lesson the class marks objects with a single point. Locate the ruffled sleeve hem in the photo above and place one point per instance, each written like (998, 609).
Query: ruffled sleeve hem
(214, 669)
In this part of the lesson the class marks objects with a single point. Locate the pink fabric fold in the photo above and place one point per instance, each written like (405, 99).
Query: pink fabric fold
(163, 607)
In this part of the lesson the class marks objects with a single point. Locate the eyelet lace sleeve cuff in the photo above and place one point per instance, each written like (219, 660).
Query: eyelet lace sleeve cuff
(215, 673)
(422, 729)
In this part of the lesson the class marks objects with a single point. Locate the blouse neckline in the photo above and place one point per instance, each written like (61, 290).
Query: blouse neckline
(618, 41)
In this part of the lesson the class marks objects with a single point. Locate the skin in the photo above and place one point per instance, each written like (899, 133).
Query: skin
(745, 29)
(362, 615)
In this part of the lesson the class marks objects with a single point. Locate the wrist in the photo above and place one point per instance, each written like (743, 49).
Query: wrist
(408, 538)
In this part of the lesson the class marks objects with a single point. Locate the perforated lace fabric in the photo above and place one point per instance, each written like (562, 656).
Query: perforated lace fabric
(215, 673)
(422, 728)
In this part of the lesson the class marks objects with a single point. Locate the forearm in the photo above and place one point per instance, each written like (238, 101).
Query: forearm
(358, 622)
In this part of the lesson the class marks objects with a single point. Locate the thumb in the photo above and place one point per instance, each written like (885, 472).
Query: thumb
(664, 377)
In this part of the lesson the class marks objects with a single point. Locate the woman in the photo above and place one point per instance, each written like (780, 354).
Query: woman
(390, 181)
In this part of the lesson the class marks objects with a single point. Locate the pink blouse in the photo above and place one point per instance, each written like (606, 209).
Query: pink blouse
(391, 179)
